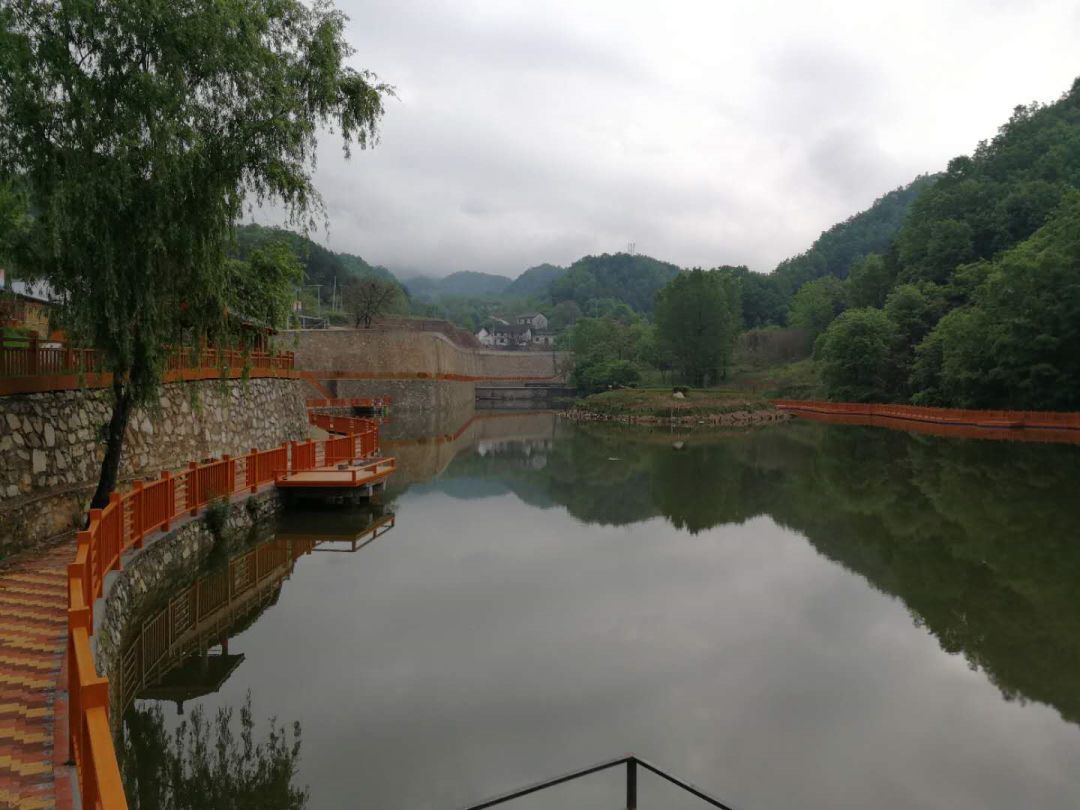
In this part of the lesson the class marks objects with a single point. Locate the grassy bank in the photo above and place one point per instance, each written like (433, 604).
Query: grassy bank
(659, 403)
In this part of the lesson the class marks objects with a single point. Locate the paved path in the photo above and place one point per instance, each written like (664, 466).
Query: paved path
(33, 626)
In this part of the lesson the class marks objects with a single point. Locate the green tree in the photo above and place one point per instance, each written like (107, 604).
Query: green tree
(856, 356)
(607, 352)
(564, 314)
(139, 130)
(698, 318)
(869, 282)
(816, 304)
(1018, 344)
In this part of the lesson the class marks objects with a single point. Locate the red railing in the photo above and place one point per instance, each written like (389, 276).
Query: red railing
(375, 403)
(365, 431)
(123, 525)
(941, 416)
(34, 358)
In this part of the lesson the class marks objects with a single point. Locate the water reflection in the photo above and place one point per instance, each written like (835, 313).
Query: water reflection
(180, 652)
(978, 538)
(771, 614)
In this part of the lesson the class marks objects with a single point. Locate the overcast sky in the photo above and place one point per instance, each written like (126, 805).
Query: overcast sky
(706, 132)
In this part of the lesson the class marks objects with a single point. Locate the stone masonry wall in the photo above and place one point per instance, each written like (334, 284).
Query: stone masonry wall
(51, 443)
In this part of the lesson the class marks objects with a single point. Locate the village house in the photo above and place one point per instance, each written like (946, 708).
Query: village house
(506, 336)
(27, 308)
(536, 320)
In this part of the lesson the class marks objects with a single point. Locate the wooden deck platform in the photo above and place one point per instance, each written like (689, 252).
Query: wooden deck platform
(347, 475)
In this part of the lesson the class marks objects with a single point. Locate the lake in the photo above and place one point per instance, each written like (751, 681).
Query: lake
(803, 615)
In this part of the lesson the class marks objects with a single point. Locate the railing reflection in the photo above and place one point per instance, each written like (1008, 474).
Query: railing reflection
(182, 649)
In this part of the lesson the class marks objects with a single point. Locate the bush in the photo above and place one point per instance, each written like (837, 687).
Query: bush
(217, 515)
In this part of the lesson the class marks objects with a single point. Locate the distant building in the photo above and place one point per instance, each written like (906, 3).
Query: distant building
(28, 307)
(506, 336)
(537, 320)
(543, 339)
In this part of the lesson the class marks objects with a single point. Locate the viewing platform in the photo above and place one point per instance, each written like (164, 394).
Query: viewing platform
(347, 475)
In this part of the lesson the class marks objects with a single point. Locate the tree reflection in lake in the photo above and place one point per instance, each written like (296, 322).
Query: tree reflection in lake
(181, 652)
(979, 538)
(204, 764)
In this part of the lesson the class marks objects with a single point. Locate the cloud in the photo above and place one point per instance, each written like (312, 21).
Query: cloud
(707, 133)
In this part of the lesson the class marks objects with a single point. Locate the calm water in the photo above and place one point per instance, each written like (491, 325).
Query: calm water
(801, 616)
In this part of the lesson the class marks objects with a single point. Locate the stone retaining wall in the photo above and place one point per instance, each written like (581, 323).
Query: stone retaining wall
(52, 443)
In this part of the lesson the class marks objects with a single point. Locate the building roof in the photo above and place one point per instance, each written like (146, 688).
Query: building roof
(511, 329)
(34, 291)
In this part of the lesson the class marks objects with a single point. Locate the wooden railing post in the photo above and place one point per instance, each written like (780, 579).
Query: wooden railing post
(116, 502)
(252, 471)
(193, 489)
(138, 522)
(230, 471)
(170, 499)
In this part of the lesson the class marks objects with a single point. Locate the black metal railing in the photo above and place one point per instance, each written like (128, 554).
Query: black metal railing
(632, 764)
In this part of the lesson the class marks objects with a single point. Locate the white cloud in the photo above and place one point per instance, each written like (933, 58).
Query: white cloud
(706, 132)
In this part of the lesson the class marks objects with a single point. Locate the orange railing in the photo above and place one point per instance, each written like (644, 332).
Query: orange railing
(32, 358)
(123, 525)
(375, 403)
(941, 416)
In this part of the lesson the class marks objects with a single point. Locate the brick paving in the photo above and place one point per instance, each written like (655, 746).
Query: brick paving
(33, 635)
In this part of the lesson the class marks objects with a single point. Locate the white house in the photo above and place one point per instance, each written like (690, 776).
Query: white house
(537, 320)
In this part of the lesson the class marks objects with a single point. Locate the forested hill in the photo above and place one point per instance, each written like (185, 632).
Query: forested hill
(977, 302)
(870, 231)
(464, 284)
(627, 278)
(321, 266)
(534, 281)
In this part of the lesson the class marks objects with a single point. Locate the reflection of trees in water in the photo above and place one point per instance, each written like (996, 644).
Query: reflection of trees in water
(979, 538)
(205, 764)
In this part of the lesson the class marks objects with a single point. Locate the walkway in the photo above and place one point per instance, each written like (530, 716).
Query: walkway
(33, 633)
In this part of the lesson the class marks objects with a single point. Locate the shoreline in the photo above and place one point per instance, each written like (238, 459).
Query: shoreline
(733, 418)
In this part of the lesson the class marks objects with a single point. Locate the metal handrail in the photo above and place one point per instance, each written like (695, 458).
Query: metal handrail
(631, 762)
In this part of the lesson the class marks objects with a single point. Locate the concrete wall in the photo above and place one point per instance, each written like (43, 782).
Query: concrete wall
(402, 354)
(425, 373)
(51, 443)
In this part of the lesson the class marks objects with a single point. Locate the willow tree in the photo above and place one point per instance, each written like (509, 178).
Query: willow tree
(140, 129)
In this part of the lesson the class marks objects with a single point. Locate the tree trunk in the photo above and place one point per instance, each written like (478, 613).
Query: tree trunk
(114, 444)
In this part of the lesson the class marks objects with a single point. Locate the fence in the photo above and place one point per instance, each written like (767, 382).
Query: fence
(123, 525)
(375, 403)
(631, 762)
(31, 364)
(941, 416)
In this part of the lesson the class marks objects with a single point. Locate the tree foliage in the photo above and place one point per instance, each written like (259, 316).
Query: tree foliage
(698, 318)
(139, 130)
(631, 279)
(816, 304)
(856, 354)
(607, 352)
(870, 231)
(205, 764)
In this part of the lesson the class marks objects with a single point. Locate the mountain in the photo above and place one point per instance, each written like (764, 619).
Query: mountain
(981, 286)
(629, 278)
(536, 281)
(464, 284)
(321, 266)
(837, 249)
